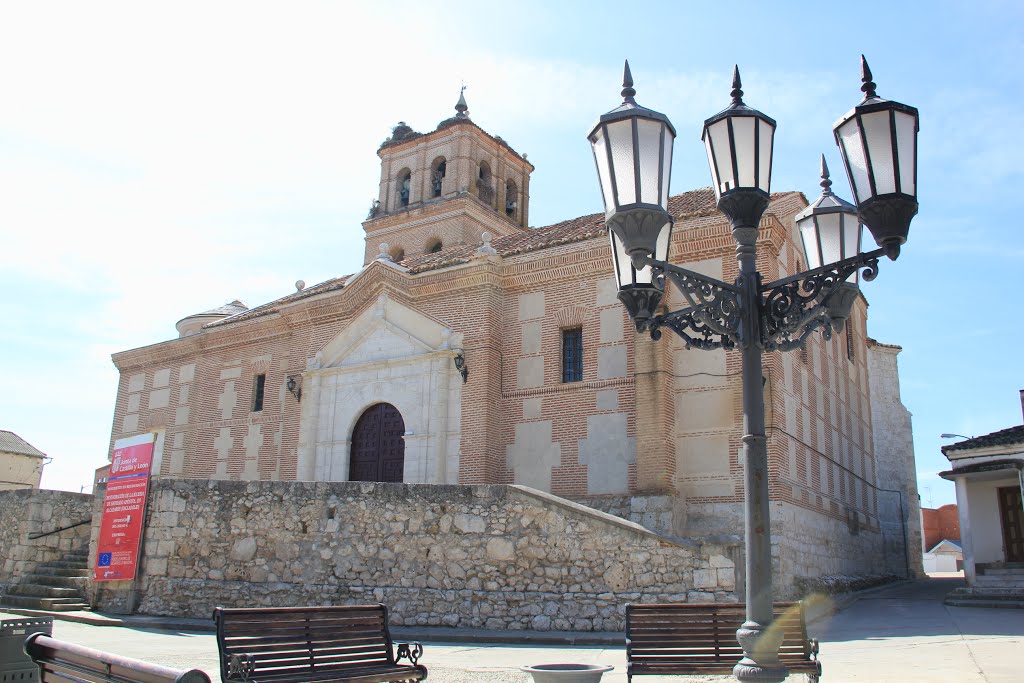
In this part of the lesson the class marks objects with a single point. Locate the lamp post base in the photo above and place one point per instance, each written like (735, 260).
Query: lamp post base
(760, 654)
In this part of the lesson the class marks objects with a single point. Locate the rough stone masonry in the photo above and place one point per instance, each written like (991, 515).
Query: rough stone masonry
(497, 557)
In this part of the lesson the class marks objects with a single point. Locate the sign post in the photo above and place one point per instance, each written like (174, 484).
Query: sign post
(124, 509)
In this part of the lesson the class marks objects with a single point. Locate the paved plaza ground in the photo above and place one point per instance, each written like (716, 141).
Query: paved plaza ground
(899, 633)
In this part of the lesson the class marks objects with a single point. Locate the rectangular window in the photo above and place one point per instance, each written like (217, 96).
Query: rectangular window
(849, 339)
(572, 355)
(257, 395)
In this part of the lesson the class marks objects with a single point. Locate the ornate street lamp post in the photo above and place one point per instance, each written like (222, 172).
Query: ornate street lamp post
(633, 152)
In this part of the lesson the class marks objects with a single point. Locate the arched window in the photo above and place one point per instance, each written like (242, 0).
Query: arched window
(397, 254)
(511, 198)
(434, 247)
(437, 173)
(483, 184)
(404, 186)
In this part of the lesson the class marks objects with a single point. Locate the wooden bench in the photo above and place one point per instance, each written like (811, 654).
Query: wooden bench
(700, 639)
(63, 662)
(303, 644)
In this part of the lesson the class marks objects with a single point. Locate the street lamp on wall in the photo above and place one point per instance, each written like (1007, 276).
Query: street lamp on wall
(460, 365)
(633, 150)
(294, 387)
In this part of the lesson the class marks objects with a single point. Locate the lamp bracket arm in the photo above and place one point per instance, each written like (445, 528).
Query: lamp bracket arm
(868, 260)
(796, 305)
(691, 329)
(713, 304)
(784, 341)
(683, 275)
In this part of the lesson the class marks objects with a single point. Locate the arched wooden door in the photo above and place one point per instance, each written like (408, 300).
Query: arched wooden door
(378, 445)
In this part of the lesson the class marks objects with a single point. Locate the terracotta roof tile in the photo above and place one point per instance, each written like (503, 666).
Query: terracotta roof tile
(271, 306)
(689, 204)
(1003, 437)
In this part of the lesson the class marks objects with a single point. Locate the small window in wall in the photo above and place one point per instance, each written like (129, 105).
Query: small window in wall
(849, 339)
(257, 394)
(435, 247)
(572, 355)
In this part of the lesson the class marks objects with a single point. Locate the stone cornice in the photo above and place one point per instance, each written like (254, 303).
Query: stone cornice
(434, 210)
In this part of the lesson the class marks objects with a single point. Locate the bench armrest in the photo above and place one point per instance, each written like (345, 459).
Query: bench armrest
(241, 667)
(411, 651)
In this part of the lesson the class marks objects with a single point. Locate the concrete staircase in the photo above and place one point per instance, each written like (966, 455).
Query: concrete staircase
(57, 586)
(996, 585)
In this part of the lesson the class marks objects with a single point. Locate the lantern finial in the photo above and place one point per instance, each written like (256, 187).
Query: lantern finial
(627, 84)
(865, 76)
(826, 182)
(737, 93)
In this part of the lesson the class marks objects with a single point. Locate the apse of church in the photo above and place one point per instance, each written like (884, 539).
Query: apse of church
(471, 349)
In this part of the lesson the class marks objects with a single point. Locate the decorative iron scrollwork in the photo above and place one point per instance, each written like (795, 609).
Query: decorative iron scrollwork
(789, 309)
(712, 318)
(411, 651)
(792, 308)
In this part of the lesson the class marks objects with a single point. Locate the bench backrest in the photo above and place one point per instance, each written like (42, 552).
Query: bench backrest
(60, 662)
(707, 632)
(298, 641)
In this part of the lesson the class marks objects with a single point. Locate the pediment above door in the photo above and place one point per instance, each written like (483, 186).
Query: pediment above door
(386, 331)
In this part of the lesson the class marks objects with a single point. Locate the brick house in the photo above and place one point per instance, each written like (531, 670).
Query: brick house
(472, 348)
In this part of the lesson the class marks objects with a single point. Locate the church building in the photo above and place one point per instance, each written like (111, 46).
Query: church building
(472, 348)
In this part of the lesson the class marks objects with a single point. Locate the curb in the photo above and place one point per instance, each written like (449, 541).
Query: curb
(436, 634)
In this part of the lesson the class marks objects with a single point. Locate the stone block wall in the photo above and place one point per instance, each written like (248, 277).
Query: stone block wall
(498, 557)
(31, 511)
(661, 514)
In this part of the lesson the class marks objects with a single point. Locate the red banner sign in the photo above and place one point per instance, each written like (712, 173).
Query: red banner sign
(124, 509)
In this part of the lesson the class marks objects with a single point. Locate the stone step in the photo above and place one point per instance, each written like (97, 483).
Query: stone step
(50, 604)
(80, 583)
(35, 590)
(61, 571)
(983, 601)
(65, 564)
(1002, 571)
(1000, 582)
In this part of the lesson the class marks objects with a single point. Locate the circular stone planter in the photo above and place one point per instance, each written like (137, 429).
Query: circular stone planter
(567, 673)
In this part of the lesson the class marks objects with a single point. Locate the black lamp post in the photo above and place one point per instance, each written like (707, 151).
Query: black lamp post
(633, 150)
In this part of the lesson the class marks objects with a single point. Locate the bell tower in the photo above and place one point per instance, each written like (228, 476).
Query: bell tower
(446, 188)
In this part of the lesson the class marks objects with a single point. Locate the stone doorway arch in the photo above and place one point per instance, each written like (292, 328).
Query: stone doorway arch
(378, 445)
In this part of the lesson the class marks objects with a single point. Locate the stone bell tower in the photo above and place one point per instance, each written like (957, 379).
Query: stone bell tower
(446, 188)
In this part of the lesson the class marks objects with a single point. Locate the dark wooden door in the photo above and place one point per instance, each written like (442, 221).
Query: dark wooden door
(378, 445)
(1011, 514)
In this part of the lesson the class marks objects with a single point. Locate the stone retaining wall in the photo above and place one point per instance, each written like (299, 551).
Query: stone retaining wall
(499, 557)
(30, 511)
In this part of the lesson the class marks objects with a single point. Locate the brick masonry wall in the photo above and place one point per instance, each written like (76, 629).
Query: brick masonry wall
(27, 511)
(473, 556)
(940, 524)
(515, 421)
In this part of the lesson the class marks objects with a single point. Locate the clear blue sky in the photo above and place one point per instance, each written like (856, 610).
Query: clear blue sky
(159, 160)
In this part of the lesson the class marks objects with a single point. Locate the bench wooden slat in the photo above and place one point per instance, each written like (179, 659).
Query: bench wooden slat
(309, 645)
(694, 638)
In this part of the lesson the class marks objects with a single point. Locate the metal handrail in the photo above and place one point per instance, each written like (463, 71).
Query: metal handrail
(33, 537)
